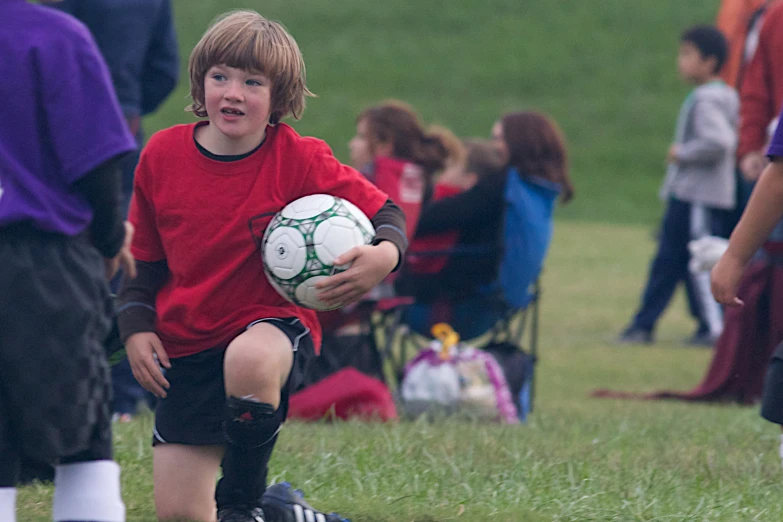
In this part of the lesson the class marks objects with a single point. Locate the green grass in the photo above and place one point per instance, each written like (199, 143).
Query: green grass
(578, 459)
(605, 69)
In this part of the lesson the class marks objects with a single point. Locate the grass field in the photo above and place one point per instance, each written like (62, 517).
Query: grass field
(605, 70)
(578, 459)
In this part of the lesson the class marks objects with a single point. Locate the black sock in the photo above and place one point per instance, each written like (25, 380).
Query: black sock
(250, 429)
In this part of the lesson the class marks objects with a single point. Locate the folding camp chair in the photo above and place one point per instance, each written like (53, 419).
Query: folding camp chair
(527, 232)
(513, 340)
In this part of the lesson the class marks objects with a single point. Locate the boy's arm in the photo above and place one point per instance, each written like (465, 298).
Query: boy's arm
(136, 322)
(161, 64)
(763, 212)
(136, 301)
(713, 135)
(389, 225)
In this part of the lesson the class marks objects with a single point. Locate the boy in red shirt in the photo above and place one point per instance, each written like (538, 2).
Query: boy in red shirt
(201, 305)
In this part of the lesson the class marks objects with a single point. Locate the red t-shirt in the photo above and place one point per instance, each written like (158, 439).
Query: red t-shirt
(206, 219)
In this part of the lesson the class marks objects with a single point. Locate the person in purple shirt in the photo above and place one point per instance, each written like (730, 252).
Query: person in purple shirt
(137, 39)
(61, 236)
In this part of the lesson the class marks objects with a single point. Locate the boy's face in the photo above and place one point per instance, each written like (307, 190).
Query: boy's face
(694, 67)
(238, 102)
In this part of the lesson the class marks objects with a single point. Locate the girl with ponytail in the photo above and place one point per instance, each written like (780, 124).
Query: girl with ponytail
(392, 149)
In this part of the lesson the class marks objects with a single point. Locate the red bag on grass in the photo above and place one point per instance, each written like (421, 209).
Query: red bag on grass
(345, 394)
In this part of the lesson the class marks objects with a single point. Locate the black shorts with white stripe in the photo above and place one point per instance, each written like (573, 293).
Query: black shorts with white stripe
(194, 408)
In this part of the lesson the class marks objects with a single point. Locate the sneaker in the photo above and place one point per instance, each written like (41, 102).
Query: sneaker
(240, 514)
(282, 503)
(634, 335)
(702, 339)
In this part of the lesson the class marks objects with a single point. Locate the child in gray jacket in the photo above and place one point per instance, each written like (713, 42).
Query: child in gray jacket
(699, 188)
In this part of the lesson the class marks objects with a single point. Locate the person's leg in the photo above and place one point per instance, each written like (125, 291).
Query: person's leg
(188, 438)
(59, 383)
(184, 478)
(691, 296)
(87, 484)
(772, 399)
(126, 391)
(257, 365)
(33, 471)
(9, 464)
(8, 504)
(281, 502)
(667, 268)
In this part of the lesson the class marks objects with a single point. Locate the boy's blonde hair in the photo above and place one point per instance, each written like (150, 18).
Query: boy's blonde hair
(246, 40)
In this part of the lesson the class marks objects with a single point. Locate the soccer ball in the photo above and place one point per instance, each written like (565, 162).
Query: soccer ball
(302, 241)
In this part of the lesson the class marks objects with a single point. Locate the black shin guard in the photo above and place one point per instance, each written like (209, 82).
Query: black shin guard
(250, 429)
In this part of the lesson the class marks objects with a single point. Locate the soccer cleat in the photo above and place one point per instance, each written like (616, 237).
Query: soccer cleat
(282, 503)
(240, 514)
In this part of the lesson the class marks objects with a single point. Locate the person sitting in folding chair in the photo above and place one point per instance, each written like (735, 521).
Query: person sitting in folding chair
(504, 226)
(395, 151)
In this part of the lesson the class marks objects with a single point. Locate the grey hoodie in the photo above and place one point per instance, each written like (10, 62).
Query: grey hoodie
(707, 137)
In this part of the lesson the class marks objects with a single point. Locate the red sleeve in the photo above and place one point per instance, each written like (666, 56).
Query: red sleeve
(756, 96)
(147, 245)
(326, 175)
(733, 18)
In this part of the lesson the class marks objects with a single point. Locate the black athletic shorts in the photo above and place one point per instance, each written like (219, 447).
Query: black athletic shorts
(772, 400)
(55, 307)
(194, 408)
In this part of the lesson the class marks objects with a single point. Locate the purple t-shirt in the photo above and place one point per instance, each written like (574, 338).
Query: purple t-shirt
(60, 117)
(776, 145)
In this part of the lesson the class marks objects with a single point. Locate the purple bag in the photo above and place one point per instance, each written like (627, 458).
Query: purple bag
(458, 377)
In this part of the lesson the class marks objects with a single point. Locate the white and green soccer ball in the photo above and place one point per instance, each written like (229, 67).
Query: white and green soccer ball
(303, 240)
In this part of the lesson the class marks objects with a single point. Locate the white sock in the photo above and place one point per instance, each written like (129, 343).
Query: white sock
(88, 491)
(8, 504)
